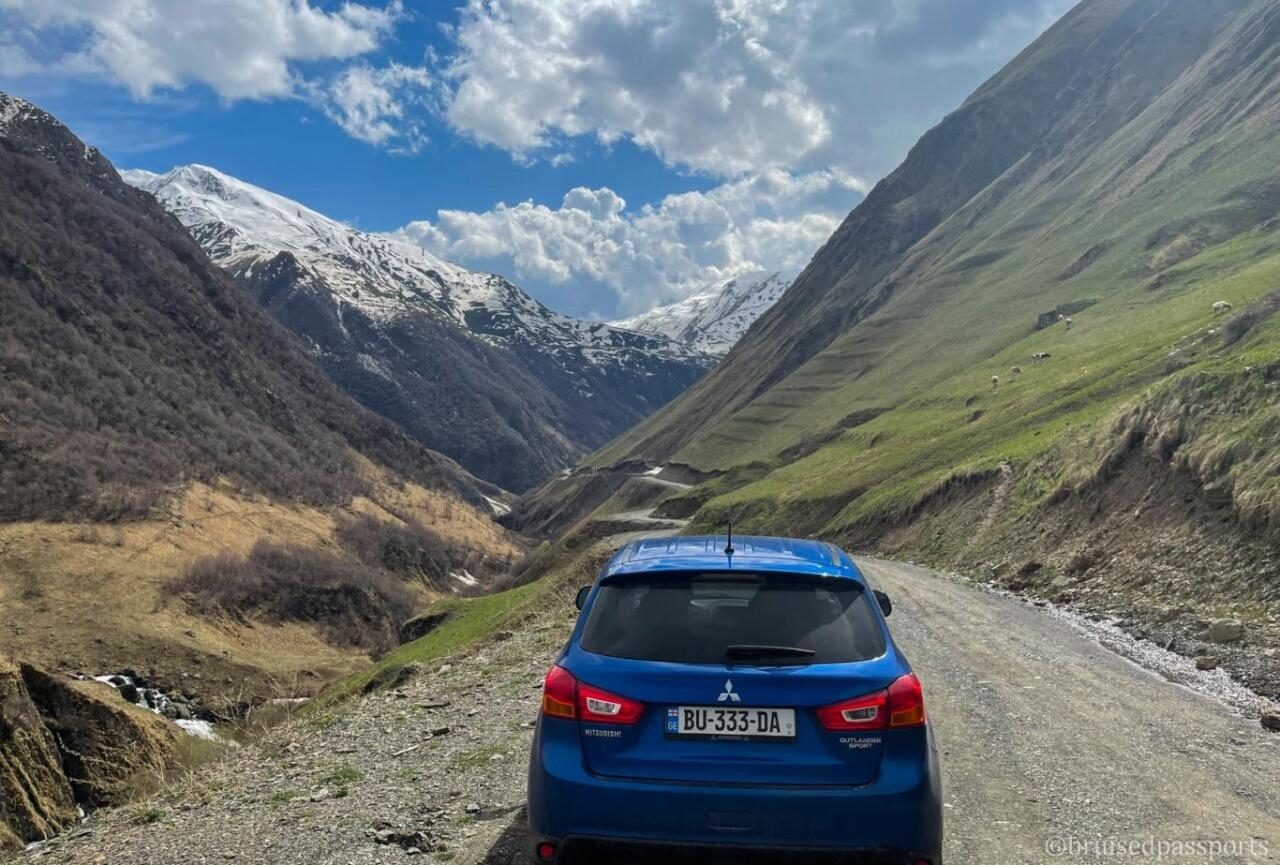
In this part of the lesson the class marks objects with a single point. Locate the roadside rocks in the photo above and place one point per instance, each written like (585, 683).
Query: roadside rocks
(1271, 719)
(412, 841)
(392, 677)
(1223, 631)
(1208, 662)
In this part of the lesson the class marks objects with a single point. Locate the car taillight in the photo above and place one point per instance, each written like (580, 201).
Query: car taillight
(861, 713)
(906, 702)
(563, 696)
(601, 707)
(901, 705)
(559, 694)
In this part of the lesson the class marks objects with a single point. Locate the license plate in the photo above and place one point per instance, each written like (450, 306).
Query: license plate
(719, 722)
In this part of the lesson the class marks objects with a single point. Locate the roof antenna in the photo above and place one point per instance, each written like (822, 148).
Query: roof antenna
(728, 547)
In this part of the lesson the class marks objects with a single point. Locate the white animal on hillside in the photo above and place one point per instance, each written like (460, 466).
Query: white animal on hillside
(1221, 306)
(1068, 321)
(1041, 355)
(995, 381)
(1015, 370)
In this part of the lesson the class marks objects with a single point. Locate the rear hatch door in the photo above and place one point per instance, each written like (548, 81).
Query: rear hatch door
(716, 714)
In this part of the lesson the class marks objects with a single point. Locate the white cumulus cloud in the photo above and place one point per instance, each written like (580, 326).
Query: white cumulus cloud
(376, 105)
(592, 256)
(242, 49)
(728, 86)
(691, 80)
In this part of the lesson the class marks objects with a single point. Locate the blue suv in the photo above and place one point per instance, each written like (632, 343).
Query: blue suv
(723, 697)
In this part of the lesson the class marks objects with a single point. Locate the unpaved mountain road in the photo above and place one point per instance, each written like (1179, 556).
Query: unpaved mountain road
(1053, 749)
(1051, 743)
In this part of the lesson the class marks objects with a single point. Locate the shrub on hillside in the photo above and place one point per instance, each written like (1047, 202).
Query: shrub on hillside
(414, 552)
(352, 603)
(406, 549)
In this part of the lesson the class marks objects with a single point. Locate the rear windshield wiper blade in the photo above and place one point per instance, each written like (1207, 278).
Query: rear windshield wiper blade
(744, 653)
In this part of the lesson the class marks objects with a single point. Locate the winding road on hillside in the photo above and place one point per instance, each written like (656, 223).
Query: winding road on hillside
(1052, 748)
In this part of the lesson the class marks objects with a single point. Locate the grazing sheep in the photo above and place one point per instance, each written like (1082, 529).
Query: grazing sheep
(995, 381)
(1068, 321)
(1041, 355)
(1015, 370)
(1221, 306)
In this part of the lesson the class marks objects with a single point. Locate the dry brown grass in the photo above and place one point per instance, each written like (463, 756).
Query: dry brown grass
(90, 597)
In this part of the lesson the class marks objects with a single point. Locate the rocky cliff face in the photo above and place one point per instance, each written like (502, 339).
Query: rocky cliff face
(112, 751)
(35, 795)
(66, 743)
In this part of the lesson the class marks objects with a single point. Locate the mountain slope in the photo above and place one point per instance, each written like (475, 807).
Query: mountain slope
(1121, 172)
(129, 363)
(467, 362)
(712, 321)
(1011, 157)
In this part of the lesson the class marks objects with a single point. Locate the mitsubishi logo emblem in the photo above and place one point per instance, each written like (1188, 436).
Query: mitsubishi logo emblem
(729, 693)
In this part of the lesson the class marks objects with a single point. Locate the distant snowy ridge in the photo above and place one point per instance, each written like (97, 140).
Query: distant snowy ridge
(466, 362)
(713, 320)
(241, 225)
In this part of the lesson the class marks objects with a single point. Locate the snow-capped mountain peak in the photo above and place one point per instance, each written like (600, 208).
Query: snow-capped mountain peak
(714, 319)
(384, 275)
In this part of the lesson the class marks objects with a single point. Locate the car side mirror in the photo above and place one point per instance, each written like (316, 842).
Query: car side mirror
(581, 600)
(886, 605)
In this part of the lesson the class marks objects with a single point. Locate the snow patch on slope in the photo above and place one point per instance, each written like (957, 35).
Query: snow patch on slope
(12, 108)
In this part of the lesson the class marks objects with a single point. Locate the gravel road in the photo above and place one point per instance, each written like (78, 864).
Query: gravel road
(1052, 743)
(1054, 750)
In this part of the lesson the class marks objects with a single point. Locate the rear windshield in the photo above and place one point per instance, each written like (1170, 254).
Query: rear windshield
(695, 619)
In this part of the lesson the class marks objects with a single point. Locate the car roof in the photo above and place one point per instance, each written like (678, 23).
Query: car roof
(751, 553)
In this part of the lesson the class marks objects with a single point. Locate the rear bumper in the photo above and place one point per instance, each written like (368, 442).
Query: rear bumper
(896, 819)
(595, 851)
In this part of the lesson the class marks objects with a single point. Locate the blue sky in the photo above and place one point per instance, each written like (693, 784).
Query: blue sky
(608, 155)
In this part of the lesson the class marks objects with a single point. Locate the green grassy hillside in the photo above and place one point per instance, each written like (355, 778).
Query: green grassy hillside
(1130, 180)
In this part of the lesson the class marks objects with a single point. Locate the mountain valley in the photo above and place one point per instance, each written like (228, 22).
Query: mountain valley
(154, 419)
(336, 496)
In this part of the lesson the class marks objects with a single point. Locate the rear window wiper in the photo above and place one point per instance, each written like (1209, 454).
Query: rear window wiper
(751, 653)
